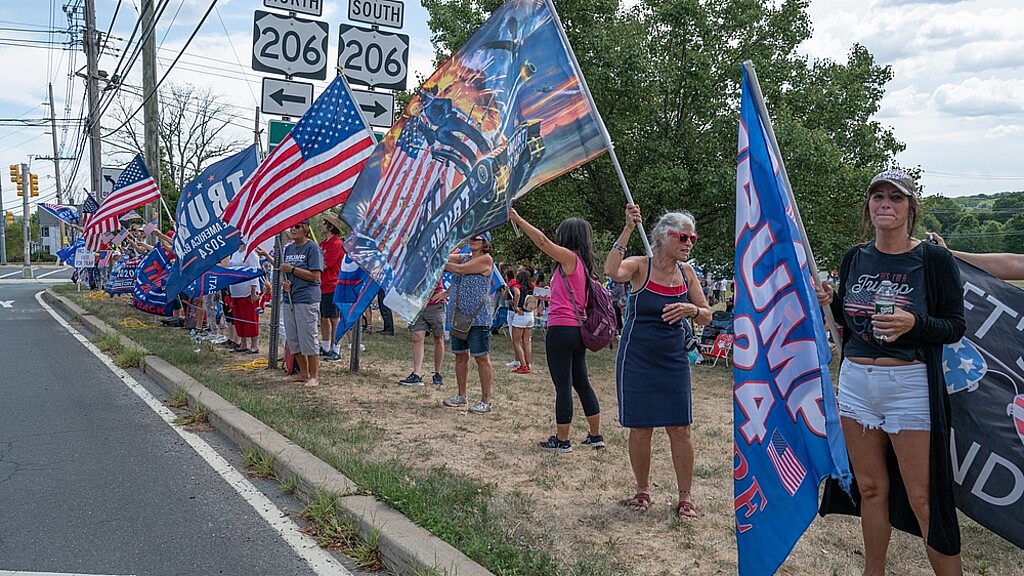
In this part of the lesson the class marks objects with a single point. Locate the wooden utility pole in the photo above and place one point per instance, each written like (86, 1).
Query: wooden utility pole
(150, 107)
(91, 45)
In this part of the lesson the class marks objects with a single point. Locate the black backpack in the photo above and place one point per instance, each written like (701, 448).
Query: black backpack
(598, 328)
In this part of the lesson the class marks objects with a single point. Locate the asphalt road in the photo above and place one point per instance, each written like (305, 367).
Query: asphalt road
(93, 481)
(49, 272)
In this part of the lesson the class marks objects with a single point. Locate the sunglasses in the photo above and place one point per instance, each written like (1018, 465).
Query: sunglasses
(477, 239)
(683, 237)
(297, 226)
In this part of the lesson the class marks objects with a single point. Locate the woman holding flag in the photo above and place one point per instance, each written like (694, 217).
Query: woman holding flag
(892, 393)
(652, 368)
(573, 250)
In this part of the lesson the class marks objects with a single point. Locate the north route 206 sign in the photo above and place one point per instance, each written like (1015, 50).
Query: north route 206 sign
(287, 45)
(311, 7)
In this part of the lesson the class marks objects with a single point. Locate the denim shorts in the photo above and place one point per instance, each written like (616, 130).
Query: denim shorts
(478, 344)
(892, 398)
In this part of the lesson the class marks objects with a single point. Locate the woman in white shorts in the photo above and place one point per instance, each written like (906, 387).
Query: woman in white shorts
(892, 394)
(521, 321)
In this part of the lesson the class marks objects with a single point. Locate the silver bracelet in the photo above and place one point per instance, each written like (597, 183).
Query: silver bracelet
(619, 247)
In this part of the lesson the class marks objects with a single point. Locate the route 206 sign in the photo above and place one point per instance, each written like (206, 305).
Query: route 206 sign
(373, 58)
(288, 45)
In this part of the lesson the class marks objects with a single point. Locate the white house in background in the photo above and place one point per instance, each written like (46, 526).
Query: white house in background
(49, 232)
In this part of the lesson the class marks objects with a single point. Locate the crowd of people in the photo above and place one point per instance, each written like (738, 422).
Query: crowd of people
(891, 391)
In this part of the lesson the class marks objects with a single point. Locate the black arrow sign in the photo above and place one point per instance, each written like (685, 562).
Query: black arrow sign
(376, 108)
(280, 97)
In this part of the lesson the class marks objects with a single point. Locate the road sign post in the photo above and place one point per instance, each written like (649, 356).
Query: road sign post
(373, 58)
(311, 7)
(290, 46)
(390, 13)
(377, 107)
(285, 97)
(277, 130)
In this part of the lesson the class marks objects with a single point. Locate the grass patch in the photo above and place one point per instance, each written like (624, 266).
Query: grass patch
(331, 532)
(130, 357)
(178, 399)
(198, 415)
(108, 342)
(288, 486)
(259, 465)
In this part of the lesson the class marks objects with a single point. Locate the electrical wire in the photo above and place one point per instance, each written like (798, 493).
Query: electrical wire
(192, 36)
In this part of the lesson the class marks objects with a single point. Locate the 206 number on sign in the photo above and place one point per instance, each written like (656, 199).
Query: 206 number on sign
(374, 58)
(288, 45)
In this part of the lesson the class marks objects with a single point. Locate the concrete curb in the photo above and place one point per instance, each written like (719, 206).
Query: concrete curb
(406, 547)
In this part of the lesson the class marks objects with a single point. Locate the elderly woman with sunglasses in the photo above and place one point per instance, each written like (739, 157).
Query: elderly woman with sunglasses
(652, 368)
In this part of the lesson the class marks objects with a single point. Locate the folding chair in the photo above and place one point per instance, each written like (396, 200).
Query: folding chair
(722, 348)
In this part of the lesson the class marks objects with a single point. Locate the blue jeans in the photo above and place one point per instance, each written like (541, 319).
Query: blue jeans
(478, 343)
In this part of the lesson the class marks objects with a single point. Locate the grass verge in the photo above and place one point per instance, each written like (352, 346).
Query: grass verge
(467, 514)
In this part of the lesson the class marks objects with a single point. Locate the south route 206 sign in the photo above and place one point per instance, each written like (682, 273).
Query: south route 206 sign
(287, 45)
(373, 57)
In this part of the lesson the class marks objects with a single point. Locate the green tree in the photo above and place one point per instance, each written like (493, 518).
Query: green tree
(665, 77)
(1013, 235)
(1006, 207)
(966, 235)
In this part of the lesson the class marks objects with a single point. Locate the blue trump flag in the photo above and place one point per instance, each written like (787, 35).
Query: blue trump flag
(201, 238)
(121, 279)
(353, 294)
(67, 254)
(786, 425)
(218, 278)
(67, 214)
(149, 293)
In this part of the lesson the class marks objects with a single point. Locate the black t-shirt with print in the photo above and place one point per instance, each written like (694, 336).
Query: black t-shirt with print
(868, 269)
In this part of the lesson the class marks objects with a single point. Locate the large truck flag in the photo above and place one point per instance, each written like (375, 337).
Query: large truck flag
(787, 433)
(505, 114)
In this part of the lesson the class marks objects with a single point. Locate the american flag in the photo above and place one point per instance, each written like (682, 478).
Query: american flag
(791, 472)
(120, 237)
(149, 227)
(104, 259)
(134, 188)
(312, 170)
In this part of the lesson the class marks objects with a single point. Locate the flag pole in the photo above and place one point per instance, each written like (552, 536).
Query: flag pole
(600, 122)
(762, 111)
(170, 218)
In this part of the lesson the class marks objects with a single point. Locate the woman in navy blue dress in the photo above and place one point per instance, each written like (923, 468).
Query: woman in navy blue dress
(652, 373)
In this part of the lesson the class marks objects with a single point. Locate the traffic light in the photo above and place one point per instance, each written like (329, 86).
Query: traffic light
(8, 217)
(33, 183)
(16, 178)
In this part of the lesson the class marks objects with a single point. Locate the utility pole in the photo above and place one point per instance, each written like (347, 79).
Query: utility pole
(56, 161)
(26, 271)
(3, 233)
(91, 45)
(150, 108)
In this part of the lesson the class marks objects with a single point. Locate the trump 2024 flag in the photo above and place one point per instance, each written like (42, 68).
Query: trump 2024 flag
(786, 423)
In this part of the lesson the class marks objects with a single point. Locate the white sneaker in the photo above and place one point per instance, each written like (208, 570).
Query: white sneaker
(512, 364)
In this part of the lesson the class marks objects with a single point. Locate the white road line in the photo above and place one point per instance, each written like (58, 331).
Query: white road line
(20, 573)
(319, 560)
(50, 272)
(9, 274)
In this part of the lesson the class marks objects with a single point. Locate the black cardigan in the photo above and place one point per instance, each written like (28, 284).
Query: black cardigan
(942, 323)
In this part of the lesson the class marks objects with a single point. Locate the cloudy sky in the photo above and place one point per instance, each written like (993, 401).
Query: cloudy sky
(957, 98)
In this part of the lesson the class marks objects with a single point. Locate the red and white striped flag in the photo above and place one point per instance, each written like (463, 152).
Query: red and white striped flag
(312, 170)
(134, 188)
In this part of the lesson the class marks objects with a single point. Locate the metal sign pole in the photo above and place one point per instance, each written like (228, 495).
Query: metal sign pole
(275, 310)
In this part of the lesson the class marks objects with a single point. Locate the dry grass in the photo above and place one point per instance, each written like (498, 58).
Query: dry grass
(568, 504)
(575, 499)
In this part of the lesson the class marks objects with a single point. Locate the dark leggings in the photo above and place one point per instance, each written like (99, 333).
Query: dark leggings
(567, 363)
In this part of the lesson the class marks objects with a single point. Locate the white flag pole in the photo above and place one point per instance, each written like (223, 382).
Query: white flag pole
(762, 111)
(600, 122)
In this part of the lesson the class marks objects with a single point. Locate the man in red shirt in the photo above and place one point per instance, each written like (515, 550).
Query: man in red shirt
(329, 313)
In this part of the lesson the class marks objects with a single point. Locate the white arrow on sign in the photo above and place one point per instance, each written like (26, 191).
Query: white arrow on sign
(378, 107)
(285, 97)
(289, 45)
(373, 58)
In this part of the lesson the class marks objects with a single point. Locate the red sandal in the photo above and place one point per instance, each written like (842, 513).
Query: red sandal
(685, 510)
(640, 502)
